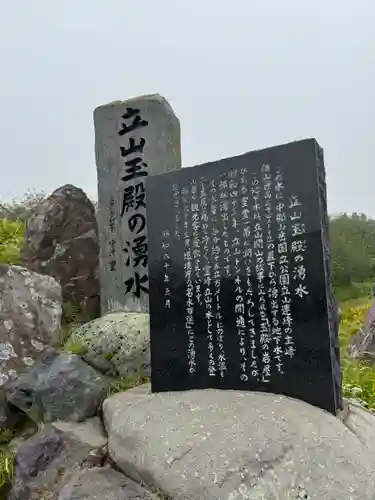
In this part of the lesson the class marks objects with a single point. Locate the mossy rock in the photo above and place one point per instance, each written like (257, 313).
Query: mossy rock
(117, 344)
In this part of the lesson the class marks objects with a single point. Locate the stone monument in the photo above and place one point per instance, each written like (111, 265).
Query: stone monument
(134, 139)
(240, 277)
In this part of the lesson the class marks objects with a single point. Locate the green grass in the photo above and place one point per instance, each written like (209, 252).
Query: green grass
(354, 292)
(6, 458)
(74, 346)
(6, 467)
(121, 384)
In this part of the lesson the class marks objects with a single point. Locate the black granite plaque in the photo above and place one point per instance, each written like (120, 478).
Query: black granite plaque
(240, 277)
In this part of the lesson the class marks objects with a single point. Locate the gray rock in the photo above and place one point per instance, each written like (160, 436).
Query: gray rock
(117, 343)
(152, 140)
(30, 318)
(59, 387)
(45, 462)
(90, 431)
(9, 416)
(214, 444)
(61, 240)
(104, 483)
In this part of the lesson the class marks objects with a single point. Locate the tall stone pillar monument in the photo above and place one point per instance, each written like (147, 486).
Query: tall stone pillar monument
(133, 139)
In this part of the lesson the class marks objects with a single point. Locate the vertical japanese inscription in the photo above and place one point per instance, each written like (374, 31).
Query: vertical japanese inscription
(275, 334)
(267, 238)
(166, 264)
(189, 286)
(260, 273)
(284, 268)
(177, 210)
(196, 240)
(246, 219)
(207, 276)
(224, 215)
(299, 246)
(239, 301)
(112, 241)
(133, 204)
(134, 140)
(216, 277)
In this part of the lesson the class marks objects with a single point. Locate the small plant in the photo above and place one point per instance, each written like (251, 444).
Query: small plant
(74, 346)
(6, 467)
(122, 384)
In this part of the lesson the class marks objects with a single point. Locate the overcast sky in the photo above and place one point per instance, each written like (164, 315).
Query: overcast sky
(240, 75)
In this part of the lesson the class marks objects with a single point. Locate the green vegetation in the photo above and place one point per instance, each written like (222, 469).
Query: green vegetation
(6, 458)
(108, 355)
(353, 255)
(353, 249)
(353, 292)
(121, 384)
(74, 346)
(11, 240)
(13, 217)
(20, 210)
(6, 467)
(358, 376)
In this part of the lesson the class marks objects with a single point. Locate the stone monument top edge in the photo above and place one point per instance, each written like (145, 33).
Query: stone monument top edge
(144, 97)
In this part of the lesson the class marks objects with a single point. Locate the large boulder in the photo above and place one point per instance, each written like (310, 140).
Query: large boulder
(117, 343)
(223, 445)
(58, 387)
(61, 240)
(30, 318)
